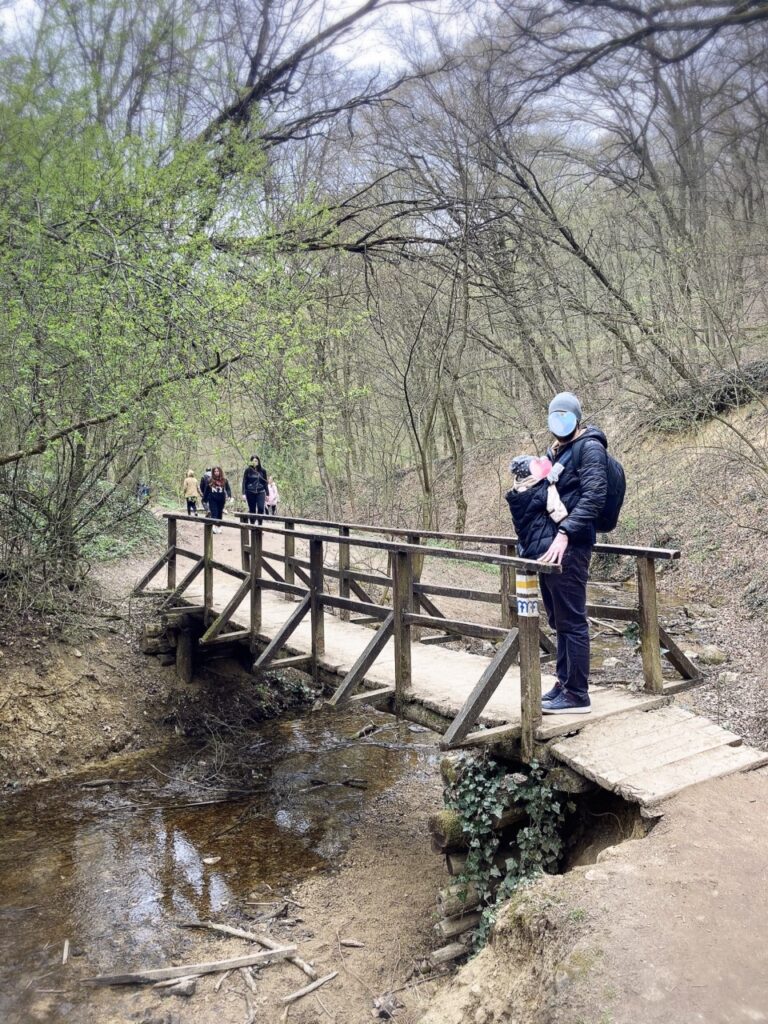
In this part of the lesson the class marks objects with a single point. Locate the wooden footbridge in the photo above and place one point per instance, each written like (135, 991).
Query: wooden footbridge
(302, 596)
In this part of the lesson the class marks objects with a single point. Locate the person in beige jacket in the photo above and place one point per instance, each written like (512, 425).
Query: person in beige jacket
(191, 491)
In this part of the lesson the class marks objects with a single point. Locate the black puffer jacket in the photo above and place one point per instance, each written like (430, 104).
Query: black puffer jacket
(535, 527)
(254, 480)
(583, 484)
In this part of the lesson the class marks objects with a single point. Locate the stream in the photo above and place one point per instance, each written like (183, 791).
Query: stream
(112, 860)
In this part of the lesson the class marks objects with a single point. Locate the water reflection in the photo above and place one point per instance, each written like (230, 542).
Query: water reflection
(112, 868)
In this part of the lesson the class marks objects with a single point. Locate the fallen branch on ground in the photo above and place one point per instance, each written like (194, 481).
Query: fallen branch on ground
(263, 940)
(161, 973)
(300, 993)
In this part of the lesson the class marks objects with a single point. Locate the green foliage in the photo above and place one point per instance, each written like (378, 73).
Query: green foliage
(484, 790)
(116, 536)
(124, 279)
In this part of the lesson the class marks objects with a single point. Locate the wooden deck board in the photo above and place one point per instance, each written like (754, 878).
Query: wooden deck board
(649, 757)
(653, 787)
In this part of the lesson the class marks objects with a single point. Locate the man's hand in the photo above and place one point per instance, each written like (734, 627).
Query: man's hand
(556, 550)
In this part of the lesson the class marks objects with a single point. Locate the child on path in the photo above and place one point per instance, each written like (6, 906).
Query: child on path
(191, 491)
(217, 494)
(273, 497)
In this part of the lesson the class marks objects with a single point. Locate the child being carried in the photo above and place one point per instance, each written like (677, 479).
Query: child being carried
(535, 504)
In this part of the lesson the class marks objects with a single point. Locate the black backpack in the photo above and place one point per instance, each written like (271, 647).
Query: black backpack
(614, 496)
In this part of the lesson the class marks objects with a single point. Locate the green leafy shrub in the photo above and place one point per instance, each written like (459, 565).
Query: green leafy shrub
(482, 791)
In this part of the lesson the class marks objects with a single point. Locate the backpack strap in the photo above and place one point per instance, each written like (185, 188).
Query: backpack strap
(568, 454)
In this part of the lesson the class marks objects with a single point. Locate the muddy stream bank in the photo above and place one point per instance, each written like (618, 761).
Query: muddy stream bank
(112, 861)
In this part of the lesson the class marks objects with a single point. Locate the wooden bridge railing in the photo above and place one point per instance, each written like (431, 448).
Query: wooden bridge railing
(412, 608)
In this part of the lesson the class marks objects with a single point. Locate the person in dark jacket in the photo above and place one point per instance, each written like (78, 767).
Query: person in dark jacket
(217, 493)
(255, 486)
(582, 486)
(204, 480)
(535, 504)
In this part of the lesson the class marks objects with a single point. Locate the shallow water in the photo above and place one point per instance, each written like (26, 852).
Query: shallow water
(113, 868)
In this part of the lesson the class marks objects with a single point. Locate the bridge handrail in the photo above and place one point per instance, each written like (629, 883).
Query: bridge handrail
(455, 554)
(632, 551)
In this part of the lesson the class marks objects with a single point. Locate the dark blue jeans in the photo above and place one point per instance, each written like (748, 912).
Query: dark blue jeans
(256, 502)
(565, 598)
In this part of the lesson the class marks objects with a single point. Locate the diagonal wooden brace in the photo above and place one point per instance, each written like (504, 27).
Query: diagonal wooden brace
(372, 650)
(273, 647)
(483, 691)
(222, 619)
(151, 573)
(193, 573)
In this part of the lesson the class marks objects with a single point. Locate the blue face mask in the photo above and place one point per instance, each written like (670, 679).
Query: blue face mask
(562, 423)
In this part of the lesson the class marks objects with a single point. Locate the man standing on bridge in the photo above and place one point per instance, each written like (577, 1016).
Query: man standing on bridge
(582, 486)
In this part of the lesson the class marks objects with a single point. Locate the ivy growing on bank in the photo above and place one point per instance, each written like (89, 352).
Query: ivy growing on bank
(482, 791)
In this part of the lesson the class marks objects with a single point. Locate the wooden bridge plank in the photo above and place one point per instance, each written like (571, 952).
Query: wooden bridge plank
(671, 748)
(648, 756)
(605, 703)
(629, 729)
(652, 787)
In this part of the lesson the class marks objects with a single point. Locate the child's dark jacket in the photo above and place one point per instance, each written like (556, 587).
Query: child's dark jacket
(535, 527)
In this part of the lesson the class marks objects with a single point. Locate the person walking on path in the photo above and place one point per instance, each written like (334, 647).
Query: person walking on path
(217, 494)
(582, 486)
(273, 497)
(204, 480)
(255, 486)
(191, 492)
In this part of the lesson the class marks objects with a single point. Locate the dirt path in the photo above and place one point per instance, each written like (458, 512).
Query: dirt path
(669, 928)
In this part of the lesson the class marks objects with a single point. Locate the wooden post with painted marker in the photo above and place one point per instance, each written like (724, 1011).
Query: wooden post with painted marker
(527, 590)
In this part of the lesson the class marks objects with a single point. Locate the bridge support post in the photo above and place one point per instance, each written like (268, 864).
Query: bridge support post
(507, 588)
(171, 554)
(290, 552)
(650, 647)
(344, 563)
(527, 588)
(402, 604)
(255, 544)
(245, 554)
(186, 647)
(316, 602)
(207, 571)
